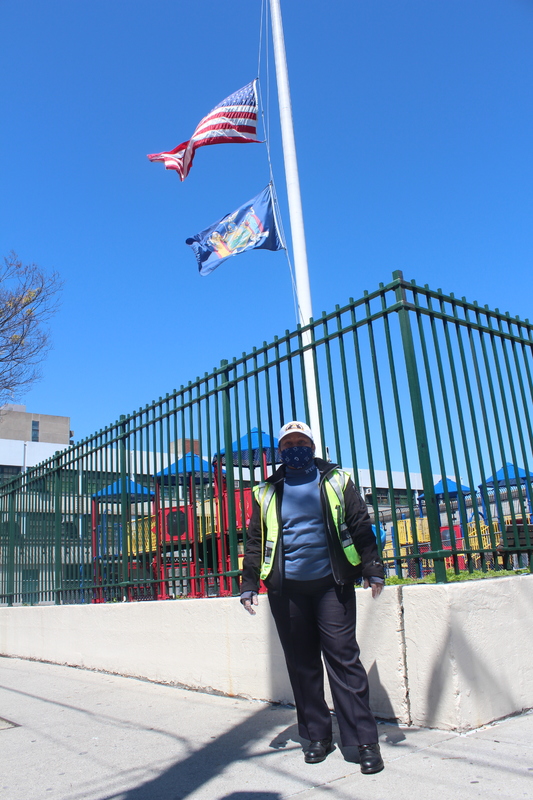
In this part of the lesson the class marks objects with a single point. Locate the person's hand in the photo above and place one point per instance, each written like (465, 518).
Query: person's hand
(377, 588)
(249, 600)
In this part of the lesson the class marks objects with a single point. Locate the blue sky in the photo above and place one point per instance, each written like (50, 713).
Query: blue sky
(414, 130)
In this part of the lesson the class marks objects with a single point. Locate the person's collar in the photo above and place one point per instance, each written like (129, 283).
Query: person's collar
(325, 466)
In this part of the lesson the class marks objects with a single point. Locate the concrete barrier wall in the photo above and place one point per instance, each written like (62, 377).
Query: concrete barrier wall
(451, 656)
(469, 651)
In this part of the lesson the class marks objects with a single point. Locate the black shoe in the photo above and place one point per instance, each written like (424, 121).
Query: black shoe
(318, 751)
(371, 760)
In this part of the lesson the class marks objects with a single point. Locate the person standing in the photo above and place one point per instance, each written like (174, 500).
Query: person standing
(310, 539)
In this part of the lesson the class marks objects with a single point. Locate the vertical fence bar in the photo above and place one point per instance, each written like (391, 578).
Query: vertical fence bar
(401, 436)
(11, 549)
(503, 399)
(268, 392)
(293, 411)
(459, 412)
(432, 399)
(489, 434)
(331, 386)
(473, 425)
(420, 430)
(122, 549)
(383, 426)
(347, 398)
(518, 425)
(314, 393)
(58, 566)
(225, 386)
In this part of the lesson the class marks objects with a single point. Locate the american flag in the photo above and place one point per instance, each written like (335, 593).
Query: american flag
(232, 120)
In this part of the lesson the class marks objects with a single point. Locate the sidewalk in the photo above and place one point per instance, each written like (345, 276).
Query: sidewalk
(81, 735)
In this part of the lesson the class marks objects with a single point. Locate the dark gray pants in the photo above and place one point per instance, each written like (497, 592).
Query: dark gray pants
(323, 621)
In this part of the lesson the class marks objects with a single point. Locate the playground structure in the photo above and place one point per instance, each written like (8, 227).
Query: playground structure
(177, 539)
(411, 382)
(490, 536)
(178, 534)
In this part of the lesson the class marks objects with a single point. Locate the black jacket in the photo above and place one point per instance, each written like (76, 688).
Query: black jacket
(357, 521)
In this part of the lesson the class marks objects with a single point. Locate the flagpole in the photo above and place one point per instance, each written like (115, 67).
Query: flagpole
(301, 272)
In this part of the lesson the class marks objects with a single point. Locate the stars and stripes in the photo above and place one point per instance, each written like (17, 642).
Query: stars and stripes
(232, 120)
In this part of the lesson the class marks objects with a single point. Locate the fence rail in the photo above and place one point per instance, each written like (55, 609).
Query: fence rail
(424, 396)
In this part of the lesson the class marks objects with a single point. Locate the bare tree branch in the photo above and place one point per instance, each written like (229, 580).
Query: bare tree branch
(28, 299)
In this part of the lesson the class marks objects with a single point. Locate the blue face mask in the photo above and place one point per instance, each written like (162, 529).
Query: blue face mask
(297, 457)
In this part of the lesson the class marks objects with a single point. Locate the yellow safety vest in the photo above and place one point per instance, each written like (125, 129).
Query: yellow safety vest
(265, 493)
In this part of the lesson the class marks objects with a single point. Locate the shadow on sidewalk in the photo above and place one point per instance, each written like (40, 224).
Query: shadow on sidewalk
(210, 761)
(252, 796)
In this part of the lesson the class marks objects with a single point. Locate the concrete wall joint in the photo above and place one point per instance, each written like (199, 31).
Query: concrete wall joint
(403, 653)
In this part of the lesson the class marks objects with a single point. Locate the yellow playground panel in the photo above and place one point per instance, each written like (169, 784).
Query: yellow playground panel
(405, 537)
(142, 535)
(473, 541)
(142, 532)
(482, 540)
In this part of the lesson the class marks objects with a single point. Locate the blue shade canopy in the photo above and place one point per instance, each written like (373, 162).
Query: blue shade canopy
(453, 490)
(189, 465)
(114, 490)
(252, 448)
(515, 475)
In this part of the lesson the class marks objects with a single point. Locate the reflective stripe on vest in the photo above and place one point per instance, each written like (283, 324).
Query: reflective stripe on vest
(265, 494)
(335, 484)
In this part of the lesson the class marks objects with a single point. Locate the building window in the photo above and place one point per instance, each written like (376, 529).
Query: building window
(7, 473)
(94, 481)
(400, 497)
(35, 431)
(382, 497)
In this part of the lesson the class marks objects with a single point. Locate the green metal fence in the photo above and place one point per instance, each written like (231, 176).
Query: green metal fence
(424, 396)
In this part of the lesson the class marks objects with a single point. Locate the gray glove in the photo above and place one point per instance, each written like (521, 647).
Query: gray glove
(376, 584)
(248, 600)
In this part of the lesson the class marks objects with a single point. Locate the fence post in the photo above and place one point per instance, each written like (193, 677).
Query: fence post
(58, 560)
(225, 386)
(11, 549)
(124, 508)
(417, 408)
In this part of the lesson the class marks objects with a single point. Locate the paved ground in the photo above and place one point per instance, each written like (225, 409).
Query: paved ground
(79, 735)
